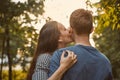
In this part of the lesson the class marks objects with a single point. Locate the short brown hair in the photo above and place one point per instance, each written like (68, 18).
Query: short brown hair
(81, 21)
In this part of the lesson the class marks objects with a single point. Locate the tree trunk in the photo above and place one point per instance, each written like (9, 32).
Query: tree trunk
(8, 52)
(3, 48)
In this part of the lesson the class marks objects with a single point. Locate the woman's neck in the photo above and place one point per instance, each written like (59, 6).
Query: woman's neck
(61, 45)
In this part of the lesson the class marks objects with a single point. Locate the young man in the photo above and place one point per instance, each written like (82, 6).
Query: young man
(91, 64)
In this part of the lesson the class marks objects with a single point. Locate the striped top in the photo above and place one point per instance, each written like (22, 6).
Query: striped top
(42, 67)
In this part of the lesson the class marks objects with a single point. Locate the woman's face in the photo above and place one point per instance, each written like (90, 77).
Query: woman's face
(65, 35)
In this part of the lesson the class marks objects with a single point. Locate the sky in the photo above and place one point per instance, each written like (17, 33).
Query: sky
(60, 10)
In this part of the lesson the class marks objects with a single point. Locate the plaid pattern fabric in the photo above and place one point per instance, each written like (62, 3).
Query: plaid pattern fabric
(42, 67)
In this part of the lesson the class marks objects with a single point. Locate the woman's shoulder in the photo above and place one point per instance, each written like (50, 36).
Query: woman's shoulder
(43, 61)
(44, 54)
(45, 57)
(42, 65)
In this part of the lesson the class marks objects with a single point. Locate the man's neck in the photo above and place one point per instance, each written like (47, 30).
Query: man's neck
(82, 40)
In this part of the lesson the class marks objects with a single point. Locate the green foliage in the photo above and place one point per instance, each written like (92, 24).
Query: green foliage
(107, 32)
(18, 36)
(17, 75)
(108, 14)
(108, 43)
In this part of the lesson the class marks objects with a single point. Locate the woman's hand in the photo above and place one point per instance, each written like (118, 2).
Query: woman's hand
(67, 61)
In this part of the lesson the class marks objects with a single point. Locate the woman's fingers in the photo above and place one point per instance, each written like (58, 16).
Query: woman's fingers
(69, 54)
(68, 58)
(72, 56)
(63, 54)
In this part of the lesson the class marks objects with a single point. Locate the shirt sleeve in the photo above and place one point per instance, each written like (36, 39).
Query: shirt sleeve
(41, 68)
(40, 75)
(54, 62)
(109, 77)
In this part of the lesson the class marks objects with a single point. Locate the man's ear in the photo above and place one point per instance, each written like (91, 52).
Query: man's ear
(92, 29)
(72, 33)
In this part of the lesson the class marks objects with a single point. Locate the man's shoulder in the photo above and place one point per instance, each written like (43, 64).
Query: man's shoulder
(68, 48)
(71, 48)
(58, 52)
(105, 58)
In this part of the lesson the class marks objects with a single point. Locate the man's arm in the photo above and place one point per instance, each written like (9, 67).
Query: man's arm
(109, 77)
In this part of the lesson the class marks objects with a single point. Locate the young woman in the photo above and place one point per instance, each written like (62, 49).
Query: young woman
(52, 36)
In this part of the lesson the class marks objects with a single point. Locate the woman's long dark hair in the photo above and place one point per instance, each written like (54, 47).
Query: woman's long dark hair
(47, 43)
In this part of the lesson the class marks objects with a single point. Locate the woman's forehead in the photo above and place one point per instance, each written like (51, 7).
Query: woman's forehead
(60, 26)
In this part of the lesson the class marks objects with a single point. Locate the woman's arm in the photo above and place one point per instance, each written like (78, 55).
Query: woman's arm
(65, 64)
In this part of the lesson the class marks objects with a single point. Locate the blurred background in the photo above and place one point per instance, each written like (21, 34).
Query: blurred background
(21, 21)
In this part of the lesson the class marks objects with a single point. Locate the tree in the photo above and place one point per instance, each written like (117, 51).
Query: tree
(14, 34)
(108, 43)
(107, 32)
(108, 14)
